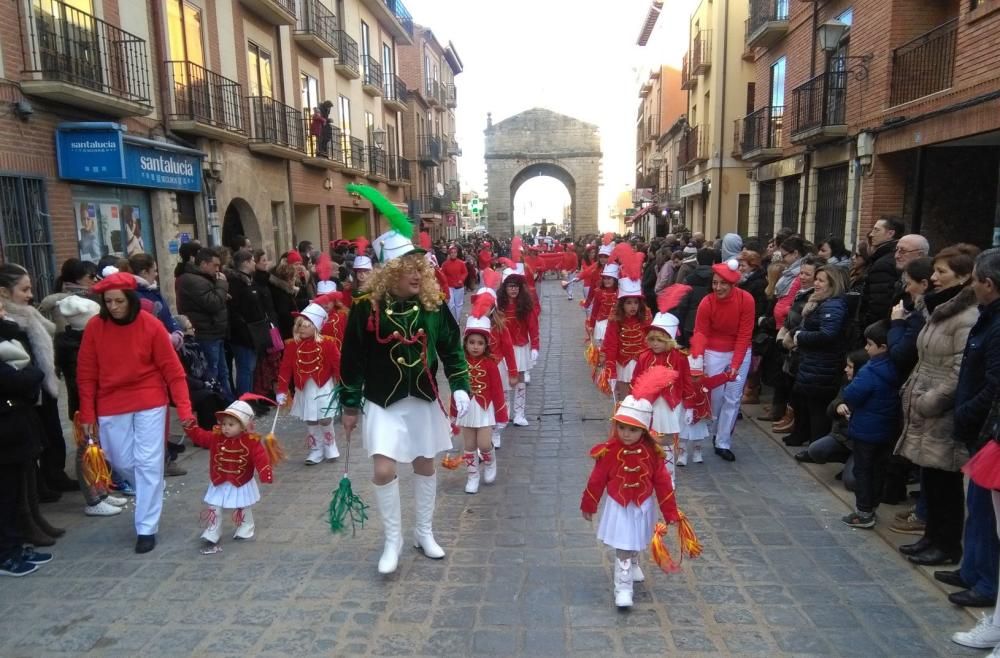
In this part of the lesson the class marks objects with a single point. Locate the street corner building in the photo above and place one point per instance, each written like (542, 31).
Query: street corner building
(139, 126)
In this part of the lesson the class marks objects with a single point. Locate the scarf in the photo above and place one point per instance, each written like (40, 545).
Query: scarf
(40, 332)
(12, 353)
(787, 277)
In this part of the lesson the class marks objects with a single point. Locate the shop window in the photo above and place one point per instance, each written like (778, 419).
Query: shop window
(26, 230)
(112, 221)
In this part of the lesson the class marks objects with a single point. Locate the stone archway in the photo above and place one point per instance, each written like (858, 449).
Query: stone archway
(240, 219)
(541, 142)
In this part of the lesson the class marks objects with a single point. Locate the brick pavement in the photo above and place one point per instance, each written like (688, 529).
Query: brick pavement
(524, 574)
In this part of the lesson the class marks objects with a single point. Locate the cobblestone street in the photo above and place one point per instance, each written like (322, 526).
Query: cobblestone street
(524, 574)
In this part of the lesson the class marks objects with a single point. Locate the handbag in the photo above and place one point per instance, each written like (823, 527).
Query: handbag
(260, 335)
(277, 344)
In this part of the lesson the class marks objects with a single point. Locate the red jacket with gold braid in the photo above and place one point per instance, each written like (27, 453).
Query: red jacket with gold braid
(233, 459)
(335, 326)
(624, 340)
(524, 331)
(680, 390)
(317, 359)
(630, 474)
(486, 387)
(604, 305)
(502, 347)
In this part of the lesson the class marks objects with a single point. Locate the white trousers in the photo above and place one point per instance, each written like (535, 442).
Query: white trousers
(456, 300)
(133, 443)
(725, 399)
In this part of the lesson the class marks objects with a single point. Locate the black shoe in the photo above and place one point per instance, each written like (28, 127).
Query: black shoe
(63, 484)
(145, 543)
(934, 556)
(969, 598)
(918, 546)
(793, 441)
(726, 454)
(49, 496)
(953, 578)
(803, 457)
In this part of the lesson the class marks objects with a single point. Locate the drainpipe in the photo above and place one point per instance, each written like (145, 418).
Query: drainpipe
(918, 192)
(722, 131)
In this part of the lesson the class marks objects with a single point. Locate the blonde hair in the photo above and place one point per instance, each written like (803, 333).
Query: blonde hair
(774, 271)
(660, 336)
(383, 280)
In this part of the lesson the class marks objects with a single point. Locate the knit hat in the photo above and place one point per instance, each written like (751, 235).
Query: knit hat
(78, 310)
(728, 271)
(117, 281)
(239, 410)
(315, 314)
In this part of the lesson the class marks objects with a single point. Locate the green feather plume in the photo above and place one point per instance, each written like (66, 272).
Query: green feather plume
(397, 220)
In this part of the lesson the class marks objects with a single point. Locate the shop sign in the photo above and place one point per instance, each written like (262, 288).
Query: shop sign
(104, 153)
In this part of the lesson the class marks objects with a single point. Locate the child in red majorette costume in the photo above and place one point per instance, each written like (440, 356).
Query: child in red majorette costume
(569, 267)
(592, 282)
(312, 363)
(501, 347)
(629, 468)
(517, 307)
(625, 334)
(235, 452)
(603, 303)
(487, 406)
(336, 316)
(698, 403)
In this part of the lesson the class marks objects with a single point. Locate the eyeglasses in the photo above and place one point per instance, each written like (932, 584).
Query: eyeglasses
(907, 251)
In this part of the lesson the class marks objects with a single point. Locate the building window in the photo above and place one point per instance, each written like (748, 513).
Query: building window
(26, 230)
(345, 126)
(366, 44)
(370, 128)
(848, 15)
(259, 71)
(388, 71)
(778, 83)
(184, 32)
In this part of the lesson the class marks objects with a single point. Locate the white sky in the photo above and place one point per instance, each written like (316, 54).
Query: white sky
(570, 56)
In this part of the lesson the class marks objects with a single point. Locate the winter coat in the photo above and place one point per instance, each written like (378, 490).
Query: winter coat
(202, 298)
(903, 340)
(49, 306)
(245, 308)
(928, 436)
(161, 309)
(283, 298)
(979, 377)
(873, 398)
(262, 279)
(756, 285)
(700, 281)
(21, 434)
(880, 284)
(67, 346)
(822, 343)
(838, 424)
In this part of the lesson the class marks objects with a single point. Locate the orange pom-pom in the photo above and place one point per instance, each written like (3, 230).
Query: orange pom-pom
(660, 552)
(591, 355)
(78, 435)
(451, 461)
(95, 466)
(603, 381)
(690, 545)
(275, 453)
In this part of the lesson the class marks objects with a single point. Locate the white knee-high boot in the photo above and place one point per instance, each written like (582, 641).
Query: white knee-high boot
(244, 519)
(425, 488)
(212, 518)
(520, 401)
(623, 583)
(387, 501)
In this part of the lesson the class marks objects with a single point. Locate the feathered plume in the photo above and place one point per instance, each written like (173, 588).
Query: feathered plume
(671, 296)
(698, 342)
(397, 220)
(607, 238)
(361, 245)
(491, 278)
(508, 263)
(425, 240)
(481, 305)
(650, 384)
(335, 297)
(632, 265)
(622, 252)
(324, 267)
(516, 248)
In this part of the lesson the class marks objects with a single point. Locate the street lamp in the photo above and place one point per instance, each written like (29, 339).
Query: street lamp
(379, 137)
(829, 35)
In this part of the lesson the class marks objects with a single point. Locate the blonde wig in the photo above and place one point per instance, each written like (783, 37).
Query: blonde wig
(384, 279)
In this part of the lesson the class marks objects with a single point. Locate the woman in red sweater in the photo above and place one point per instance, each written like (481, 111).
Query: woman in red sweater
(125, 369)
(455, 273)
(726, 319)
(522, 323)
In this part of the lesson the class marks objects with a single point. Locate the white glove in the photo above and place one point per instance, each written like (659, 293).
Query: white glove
(534, 357)
(461, 399)
(282, 399)
(689, 416)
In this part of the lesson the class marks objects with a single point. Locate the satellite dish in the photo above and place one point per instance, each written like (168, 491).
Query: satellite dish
(440, 189)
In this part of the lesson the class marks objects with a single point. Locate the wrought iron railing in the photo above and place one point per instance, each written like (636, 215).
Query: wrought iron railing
(701, 52)
(820, 101)
(762, 129)
(347, 50)
(399, 168)
(72, 46)
(205, 96)
(451, 95)
(371, 71)
(694, 146)
(766, 11)
(430, 90)
(316, 19)
(394, 89)
(354, 152)
(688, 81)
(326, 144)
(377, 162)
(402, 15)
(273, 122)
(429, 148)
(924, 65)
(287, 5)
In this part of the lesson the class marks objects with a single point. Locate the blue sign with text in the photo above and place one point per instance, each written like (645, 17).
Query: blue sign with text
(103, 153)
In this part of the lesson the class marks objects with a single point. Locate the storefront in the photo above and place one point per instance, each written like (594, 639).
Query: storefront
(121, 184)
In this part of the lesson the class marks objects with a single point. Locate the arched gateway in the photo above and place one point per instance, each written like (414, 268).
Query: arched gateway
(541, 142)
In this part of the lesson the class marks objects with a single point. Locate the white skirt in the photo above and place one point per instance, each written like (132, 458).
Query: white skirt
(229, 496)
(504, 374)
(314, 402)
(627, 528)
(696, 432)
(625, 371)
(600, 328)
(665, 419)
(407, 429)
(477, 417)
(522, 357)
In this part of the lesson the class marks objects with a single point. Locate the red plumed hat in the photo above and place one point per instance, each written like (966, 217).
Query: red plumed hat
(491, 278)
(324, 267)
(632, 265)
(481, 305)
(671, 296)
(361, 245)
(515, 248)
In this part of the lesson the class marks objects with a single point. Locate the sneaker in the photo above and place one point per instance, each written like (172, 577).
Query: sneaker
(911, 525)
(31, 556)
(17, 567)
(860, 519)
(102, 508)
(984, 636)
(125, 489)
(172, 469)
(116, 500)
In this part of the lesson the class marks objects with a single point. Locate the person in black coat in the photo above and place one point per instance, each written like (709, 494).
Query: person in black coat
(283, 291)
(700, 281)
(907, 320)
(754, 281)
(249, 331)
(882, 276)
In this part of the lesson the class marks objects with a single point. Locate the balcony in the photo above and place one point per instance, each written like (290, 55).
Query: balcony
(393, 15)
(924, 65)
(394, 94)
(450, 95)
(347, 55)
(275, 12)
(316, 29)
(761, 138)
(377, 164)
(276, 129)
(324, 150)
(452, 147)
(819, 108)
(688, 81)
(694, 147)
(399, 170)
(434, 205)
(429, 150)
(82, 61)
(768, 23)
(205, 103)
(701, 52)
(354, 156)
(431, 92)
(371, 76)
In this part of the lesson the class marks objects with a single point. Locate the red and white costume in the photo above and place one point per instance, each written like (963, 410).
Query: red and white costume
(487, 405)
(523, 335)
(312, 366)
(602, 305)
(455, 273)
(625, 338)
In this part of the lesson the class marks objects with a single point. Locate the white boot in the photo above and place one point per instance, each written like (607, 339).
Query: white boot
(471, 472)
(497, 437)
(425, 488)
(330, 450)
(623, 583)
(520, 395)
(696, 452)
(527, 377)
(637, 575)
(669, 457)
(489, 461)
(212, 518)
(682, 458)
(387, 502)
(244, 520)
(315, 448)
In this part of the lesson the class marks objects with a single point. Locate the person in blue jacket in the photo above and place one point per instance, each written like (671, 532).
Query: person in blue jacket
(872, 398)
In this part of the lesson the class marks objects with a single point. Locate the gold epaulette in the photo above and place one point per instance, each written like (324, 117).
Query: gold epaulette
(599, 450)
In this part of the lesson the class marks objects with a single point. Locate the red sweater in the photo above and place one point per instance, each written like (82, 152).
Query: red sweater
(521, 331)
(727, 324)
(126, 368)
(630, 474)
(784, 304)
(455, 272)
(317, 359)
(604, 300)
(485, 258)
(233, 459)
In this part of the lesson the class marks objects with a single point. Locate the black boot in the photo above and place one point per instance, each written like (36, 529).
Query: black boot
(30, 493)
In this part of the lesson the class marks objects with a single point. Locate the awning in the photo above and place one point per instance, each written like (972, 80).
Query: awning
(633, 218)
(695, 188)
